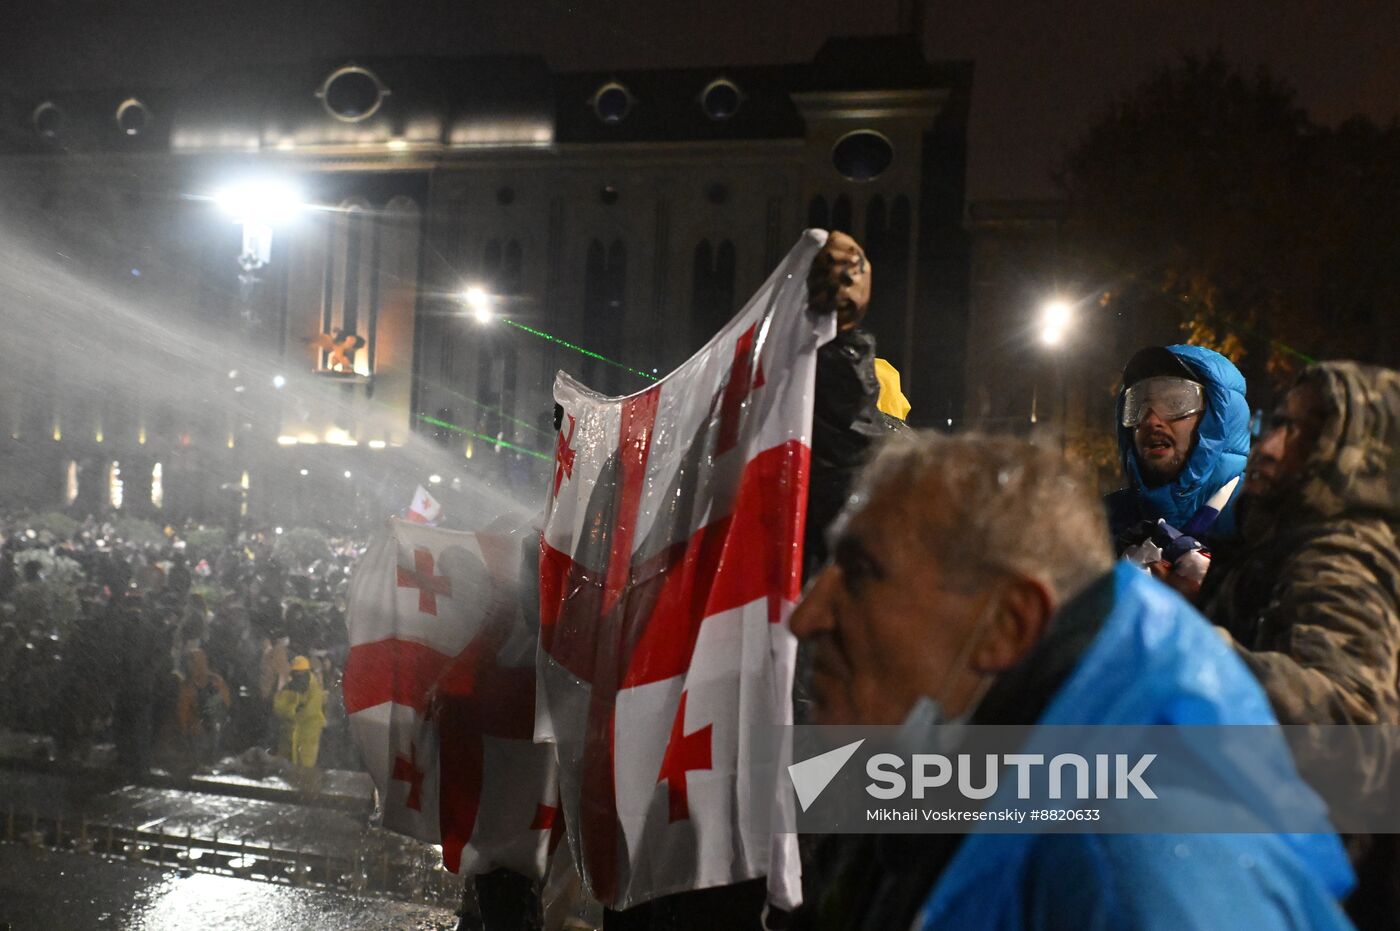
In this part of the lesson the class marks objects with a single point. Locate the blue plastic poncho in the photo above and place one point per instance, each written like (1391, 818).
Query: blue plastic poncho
(1154, 661)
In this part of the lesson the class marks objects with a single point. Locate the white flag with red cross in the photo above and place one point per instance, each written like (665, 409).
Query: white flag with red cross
(671, 560)
(440, 691)
(424, 508)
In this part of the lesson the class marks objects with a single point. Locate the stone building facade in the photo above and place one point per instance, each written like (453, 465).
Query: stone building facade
(623, 213)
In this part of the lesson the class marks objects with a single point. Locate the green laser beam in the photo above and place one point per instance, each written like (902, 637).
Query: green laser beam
(484, 438)
(568, 345)
(496, 410)
(1280, 344)
(546, 336)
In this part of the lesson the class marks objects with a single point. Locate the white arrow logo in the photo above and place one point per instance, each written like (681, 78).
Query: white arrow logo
(812, 776)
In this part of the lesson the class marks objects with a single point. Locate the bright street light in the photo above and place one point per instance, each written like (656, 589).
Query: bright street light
(258, 206)
(1055, 319)
(279, 381)
(478, 302)
(259, 202)
(434, 479)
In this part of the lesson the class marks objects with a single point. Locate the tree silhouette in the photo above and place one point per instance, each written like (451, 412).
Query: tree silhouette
(1207, 199)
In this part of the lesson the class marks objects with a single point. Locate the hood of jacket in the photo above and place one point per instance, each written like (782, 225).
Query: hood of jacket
(1355, 468)
(1222, 443)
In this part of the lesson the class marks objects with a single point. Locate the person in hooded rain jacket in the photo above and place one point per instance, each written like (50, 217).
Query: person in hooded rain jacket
(1178, 460)
(932, 603)
(300, 707)
(1312, 598)
(202, 708)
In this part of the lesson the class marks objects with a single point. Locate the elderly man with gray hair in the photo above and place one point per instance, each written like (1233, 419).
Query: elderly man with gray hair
(972, 581)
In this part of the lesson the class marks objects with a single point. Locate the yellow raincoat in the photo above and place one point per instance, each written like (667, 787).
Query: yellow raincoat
(303, 717)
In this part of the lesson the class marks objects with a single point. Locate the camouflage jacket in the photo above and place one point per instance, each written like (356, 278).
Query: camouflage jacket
(1313, 596)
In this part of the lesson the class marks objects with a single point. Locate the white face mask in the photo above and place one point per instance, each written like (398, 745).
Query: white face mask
(927, 726)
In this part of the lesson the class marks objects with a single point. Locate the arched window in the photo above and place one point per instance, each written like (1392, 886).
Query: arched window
(604, 310)
(503, 271)
(712, 292)
(876, 224)
(887, 241)
(503, 267)
(841, 214)
(491, 262)
(488, 393)
(513, 270)
(350, 282)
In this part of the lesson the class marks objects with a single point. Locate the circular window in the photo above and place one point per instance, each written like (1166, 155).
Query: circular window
(608, 195)
(862, 155)
(133, 117)
(352, 94)
(48, 120)
(612, 102)
(721, 99)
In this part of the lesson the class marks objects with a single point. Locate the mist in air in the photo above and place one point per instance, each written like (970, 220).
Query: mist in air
(129, 334)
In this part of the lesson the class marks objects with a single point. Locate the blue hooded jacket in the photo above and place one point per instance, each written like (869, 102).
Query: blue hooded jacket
(1154, 661)
(1222, 447)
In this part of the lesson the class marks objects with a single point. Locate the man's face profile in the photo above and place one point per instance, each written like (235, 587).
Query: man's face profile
(884, 626)
(1277, 461)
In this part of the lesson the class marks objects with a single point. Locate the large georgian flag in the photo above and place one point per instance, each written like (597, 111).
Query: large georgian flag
(671, 560)
(440, 690)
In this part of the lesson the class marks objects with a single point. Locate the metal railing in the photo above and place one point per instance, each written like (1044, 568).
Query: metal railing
(420, 879)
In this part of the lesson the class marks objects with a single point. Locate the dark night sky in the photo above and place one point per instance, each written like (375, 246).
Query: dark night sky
(1043, 69)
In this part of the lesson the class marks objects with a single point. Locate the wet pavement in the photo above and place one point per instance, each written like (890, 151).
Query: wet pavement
(49, 890)
(83, 849)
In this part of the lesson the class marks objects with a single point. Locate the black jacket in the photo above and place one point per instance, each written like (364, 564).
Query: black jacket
(846, 425)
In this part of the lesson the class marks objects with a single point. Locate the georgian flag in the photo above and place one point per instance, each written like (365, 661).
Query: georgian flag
(440, 691)
(424, 508)
(671, 561)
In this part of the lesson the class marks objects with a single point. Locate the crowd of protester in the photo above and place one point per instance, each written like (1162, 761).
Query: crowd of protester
(182, 650)
(1277, 546)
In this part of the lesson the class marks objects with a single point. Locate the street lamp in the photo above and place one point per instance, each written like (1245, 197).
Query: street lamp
(258, 206)
(1056, 316)
(478, 301)
(1056, 319)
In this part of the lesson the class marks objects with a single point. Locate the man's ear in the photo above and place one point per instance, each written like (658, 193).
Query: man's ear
(1022, 619)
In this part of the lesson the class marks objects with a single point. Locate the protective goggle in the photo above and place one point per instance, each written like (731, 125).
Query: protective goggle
(1169, 397)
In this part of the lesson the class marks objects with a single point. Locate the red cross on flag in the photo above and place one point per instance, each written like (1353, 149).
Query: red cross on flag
(671, 560)
(440, 690)
(424, 508)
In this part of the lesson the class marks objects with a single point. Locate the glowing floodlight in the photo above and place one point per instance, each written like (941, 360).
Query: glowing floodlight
(478, 302)
(1056, 317)
(259, 202)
